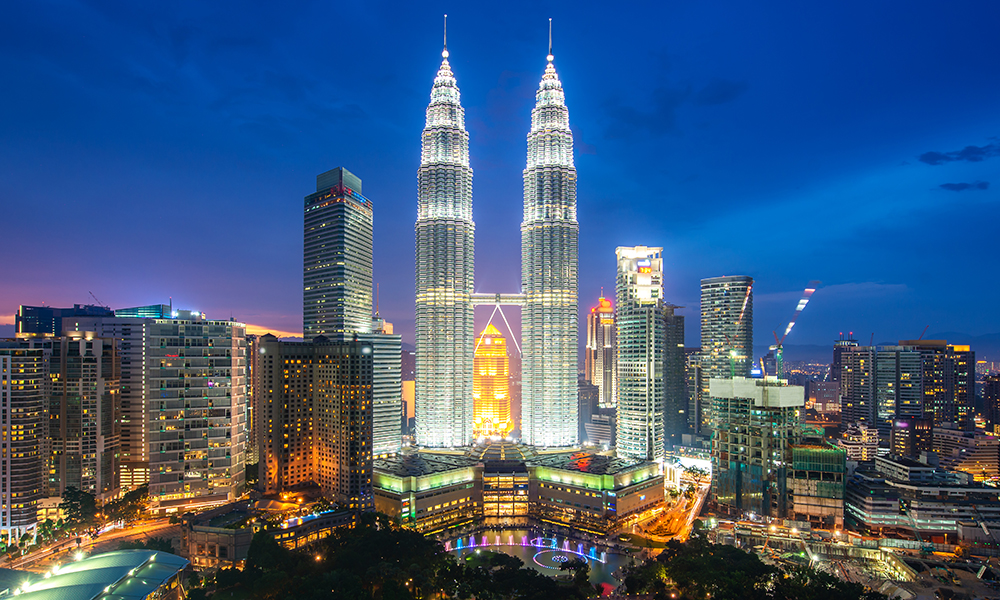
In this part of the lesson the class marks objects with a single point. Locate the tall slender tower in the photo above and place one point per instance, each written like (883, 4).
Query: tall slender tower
(445, 257)
(599, 358)
(549, 259)
(726, 336)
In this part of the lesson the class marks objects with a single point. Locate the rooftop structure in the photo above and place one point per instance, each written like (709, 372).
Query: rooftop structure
(490, 386)
(119, 575)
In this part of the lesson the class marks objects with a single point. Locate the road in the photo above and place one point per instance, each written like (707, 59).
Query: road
(62, 551)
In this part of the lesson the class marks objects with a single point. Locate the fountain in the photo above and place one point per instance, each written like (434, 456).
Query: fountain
(524, 540)
(566, 545)
(486, 542)
(472, 541)
(447, 546)
(510, 540)
(579, 549)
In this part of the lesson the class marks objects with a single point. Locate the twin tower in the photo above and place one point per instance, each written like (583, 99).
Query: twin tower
(445, 270)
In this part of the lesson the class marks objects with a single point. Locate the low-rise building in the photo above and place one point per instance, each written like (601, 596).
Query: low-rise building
(905, 498)
(972, 452)
(860, 442)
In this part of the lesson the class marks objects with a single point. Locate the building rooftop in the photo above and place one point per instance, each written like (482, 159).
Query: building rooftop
(586, 462)
(421, 463)
(119, 575)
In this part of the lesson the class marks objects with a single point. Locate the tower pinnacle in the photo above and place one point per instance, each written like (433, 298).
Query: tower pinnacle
(444, 53)
(550, 58)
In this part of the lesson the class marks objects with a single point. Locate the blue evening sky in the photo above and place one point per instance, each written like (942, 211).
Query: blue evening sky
(150, 150)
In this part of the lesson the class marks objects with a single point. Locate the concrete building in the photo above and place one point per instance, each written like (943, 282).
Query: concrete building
(337, 258)
(675, 394)
(824, 396)
(599, 358)
(905, 498)
(991, 399)
(641, 352)
(23, 424)
(817, 485)
(504, 482)
(949, 380)
(860, 442)
(757, 422)
(316, 401)
(183, 396)
(911, 437)
(82, 407)
(726, 335)
(549, 273)
(857, 385)
(49, 320)
(972, 452)
(839, 346)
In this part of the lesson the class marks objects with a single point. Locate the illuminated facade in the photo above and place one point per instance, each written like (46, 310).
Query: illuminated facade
(445, 253)
(337, 259)
(549, 273)
(183, 395)
(490, 385)
(641, 352)
(599, 360)
(22, 410)
(316, 418)
(726, 335)
(949, 381)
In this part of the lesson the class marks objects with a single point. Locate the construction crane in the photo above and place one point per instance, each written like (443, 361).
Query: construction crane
(99, 303)
(779, 367)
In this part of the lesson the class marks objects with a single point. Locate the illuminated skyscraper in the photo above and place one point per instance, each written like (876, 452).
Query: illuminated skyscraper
(641, 352)
(445, 331)
(337, 261)
(726, 334)
(549, 278)
(490, 385)
(599, 361)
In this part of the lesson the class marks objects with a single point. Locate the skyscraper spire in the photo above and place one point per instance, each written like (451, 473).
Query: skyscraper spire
(550, 58)
(549, 271)
(445, 250)
(444, 53)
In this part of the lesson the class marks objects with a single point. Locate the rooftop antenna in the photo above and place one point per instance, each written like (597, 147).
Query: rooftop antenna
(444, 53)
(376, 300)
(550, 57)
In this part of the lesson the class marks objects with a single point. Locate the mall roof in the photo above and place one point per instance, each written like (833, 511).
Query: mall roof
(585, 462)
(421, 463)
(119, 575)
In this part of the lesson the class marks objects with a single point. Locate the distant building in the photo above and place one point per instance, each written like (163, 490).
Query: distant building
(316, 399)
(599, 356)
(817, 485)
(991, 399)
(490, 386)
(694, 385)
(860, 441)
(838, 349)
(949, 380)
(824, 396)
(726, 335)
(757, 422)
(857, 385)
(22, 415)
(47, 319)
(337, 262)
(972, 452)
(911, 437)
(641, 352)
(675, 394)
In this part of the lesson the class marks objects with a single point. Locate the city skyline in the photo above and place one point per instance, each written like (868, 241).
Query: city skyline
(697, 111)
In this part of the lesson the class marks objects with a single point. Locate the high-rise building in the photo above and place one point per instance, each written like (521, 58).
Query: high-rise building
(838, 349)
(183, 395)
(991, 398)
(910, 437)
(337, 260)
(857, 385)
(693, 375)
(897, 386)
(83, 408)
(47, 319)
(445, 255)
(599, 359)
(641, 352)
(726, 334)
(22, 418)
(757, 422)
(549, 273)
(387, 387)
(490, 386)
(949, 379)
(675, 398)
(973, 452)
(316, 418)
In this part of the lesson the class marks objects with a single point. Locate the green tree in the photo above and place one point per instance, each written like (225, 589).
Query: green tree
(159, 544)
(79, 506)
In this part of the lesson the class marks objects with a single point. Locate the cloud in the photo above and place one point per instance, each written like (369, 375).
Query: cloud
(720, 91)
(961, 187)
(969, 153)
